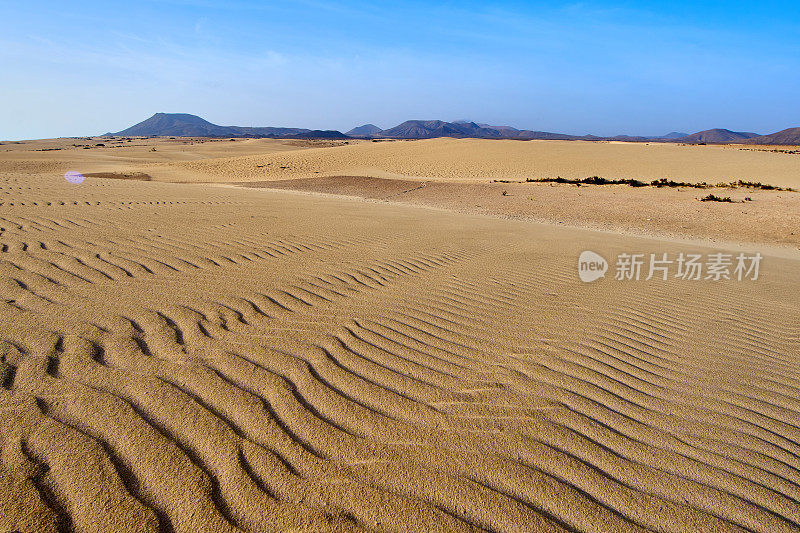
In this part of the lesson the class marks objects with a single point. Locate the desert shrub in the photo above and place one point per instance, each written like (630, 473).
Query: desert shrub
(664, 182)
(661, 182)
(715, 198)
(756, 185)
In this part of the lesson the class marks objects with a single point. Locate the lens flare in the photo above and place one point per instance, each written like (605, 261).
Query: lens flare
(74, 177)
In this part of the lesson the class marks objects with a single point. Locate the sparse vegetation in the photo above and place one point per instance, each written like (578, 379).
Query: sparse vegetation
(662, 182)
(758, 185)
(715, 198)
(592, 180)
(775, 150)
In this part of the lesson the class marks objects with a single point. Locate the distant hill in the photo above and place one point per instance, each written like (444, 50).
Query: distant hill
(674, 135)
(186, 125)
(367, 130)
(545, 135)
(429, 129)
(499, 128)
(621, 138)
(176, 124)
(717, 136)
(790, 136)
(318, 134)
(244, 131)
(488, 126)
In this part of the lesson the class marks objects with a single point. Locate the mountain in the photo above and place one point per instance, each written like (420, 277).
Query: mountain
(245, 131)
(717, 136)
(367, 130)
(429, 129)
(175, 124)
(318, 134)
(789, 136)
(546, 136)
(622, 138)
(673, 135)
(186, 125)
(488, 126)
(499, 128)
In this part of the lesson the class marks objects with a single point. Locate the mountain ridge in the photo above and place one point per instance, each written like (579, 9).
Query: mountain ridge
(788, 137)
(367, 130)
(187, 125)
(717, 136)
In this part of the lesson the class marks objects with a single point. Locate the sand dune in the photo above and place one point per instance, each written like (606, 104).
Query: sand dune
(53, 157)
(754, 216)
(192, 358)
(484, 160)
(456, 176)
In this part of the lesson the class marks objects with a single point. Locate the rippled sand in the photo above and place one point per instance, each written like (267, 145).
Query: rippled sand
(199, 358)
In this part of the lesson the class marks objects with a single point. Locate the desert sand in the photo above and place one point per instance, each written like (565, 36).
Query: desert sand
(484, 160)
(209, 357)
(471, 176)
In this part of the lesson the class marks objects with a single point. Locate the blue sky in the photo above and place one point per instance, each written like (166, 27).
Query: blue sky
(606, 68)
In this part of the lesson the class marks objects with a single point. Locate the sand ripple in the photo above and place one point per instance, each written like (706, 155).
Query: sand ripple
(188, 359)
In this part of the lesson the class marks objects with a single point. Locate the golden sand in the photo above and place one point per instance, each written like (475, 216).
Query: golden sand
(484, 160)
(197, 358)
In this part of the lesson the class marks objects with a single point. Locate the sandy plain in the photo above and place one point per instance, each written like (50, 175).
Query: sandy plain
(210, 357)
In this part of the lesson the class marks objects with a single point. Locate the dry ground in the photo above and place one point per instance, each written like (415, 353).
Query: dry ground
(201, 358)
(460, 174)
(768, 217)
(485, 160)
